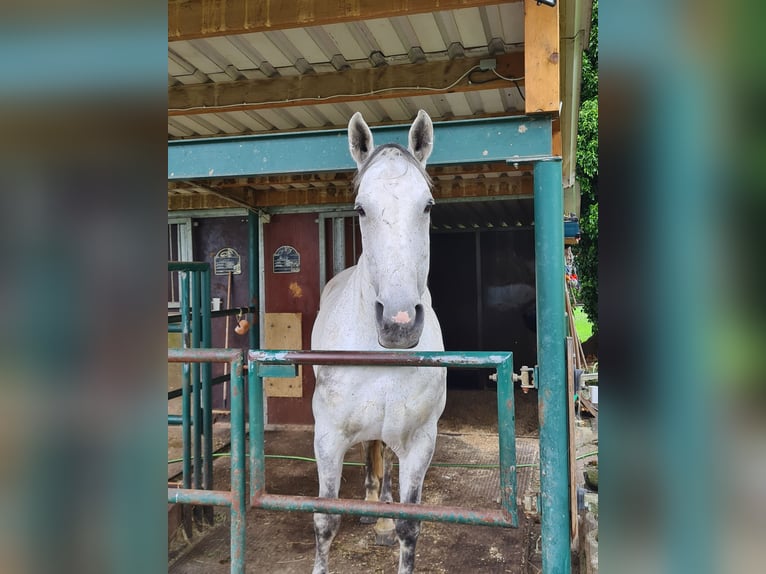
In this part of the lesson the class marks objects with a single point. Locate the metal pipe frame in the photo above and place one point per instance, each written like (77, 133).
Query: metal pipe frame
(551, 359)
(196, 391)
(518, 139)
(175, 319)
(236, 499)
(501, 361)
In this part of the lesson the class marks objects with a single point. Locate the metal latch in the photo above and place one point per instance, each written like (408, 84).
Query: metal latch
(527, 378)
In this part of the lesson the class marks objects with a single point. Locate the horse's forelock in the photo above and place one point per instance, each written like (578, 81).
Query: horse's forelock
(405, 154)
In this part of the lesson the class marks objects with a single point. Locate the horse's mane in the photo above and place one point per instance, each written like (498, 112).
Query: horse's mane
(405, 154)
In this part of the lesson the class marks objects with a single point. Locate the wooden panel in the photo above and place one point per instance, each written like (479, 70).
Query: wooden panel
(541, 57)
(283, 331)
(556, 143)
(353, 84)
(293, 293)
(189, 19)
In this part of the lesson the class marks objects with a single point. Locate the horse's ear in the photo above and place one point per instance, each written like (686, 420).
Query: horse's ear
(421, 141)
(359, 139)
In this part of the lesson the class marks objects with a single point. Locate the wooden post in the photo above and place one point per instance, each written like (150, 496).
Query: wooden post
(541, 57)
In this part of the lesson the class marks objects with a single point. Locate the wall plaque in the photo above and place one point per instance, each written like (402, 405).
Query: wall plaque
(227, 261)
(287, 260)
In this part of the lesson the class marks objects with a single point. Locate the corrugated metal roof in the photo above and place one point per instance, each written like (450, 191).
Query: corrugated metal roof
(457, 39)
(418, 38)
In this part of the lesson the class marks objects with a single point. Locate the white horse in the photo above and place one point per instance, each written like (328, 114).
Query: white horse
(381, 303)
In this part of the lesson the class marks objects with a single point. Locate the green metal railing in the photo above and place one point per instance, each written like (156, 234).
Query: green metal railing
(196, 419)
(520, 139)
(236, 498)
(282, 364)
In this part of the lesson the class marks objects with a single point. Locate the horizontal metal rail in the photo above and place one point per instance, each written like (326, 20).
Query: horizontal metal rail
(432, 513)
(177, 318)
(479, 140)
(236, 499)
(507, 516)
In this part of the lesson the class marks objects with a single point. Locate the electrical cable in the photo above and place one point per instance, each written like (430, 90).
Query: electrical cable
(334, 96)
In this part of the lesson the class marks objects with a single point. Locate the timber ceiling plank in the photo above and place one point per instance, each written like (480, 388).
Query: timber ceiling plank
(190, 19)
(406, 80)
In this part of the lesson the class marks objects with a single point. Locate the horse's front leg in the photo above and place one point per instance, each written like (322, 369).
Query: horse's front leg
(412, 471)
(329, 451)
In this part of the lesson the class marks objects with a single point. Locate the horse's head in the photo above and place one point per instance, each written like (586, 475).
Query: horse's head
(394, 203)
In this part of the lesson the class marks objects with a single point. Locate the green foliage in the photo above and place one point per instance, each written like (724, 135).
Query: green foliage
(587, 175)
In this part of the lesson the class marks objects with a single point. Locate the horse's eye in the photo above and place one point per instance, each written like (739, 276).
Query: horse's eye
(360, 210)
(429, 205)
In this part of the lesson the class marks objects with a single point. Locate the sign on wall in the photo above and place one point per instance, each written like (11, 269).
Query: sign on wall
(227, 261)
(287, 260)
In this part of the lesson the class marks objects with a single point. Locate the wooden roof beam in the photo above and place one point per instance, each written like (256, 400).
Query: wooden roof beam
(401, 81)
(189, 19)
(541, 55)
(337, 195)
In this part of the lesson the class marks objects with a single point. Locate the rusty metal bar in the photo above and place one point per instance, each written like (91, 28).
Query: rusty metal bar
(186, 384)
(467, 359)
(199, 496)
(256, 424)
(434, 513)
(506, 430)
(202, 355)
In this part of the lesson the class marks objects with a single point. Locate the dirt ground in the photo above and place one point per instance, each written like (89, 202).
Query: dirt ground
(283, 542)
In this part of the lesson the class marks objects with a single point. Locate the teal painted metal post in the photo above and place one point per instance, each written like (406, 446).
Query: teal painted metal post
(196, 387)
(255, 413)
(238, 486)
(551, 358)
(185, 381)
(506, 421)
(207, 392)
(253, 273)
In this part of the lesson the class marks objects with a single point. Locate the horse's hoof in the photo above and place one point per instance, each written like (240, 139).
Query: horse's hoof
(368, 519)
(385, 538)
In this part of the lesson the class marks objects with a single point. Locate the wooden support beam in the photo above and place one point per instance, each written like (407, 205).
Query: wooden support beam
(541, 57)
(556, 142)
(401, 81)
(336, 194)
(189, 19)
(179, 201)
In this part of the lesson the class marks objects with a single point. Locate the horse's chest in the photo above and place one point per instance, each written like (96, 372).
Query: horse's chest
(358, 398)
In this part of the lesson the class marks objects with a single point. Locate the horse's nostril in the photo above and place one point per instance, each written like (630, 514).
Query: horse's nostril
(379, 312)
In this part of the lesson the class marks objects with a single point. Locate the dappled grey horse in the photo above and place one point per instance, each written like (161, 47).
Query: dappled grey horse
(381, 303)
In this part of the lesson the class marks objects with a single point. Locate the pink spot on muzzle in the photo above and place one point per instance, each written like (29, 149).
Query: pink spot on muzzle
(401, 317)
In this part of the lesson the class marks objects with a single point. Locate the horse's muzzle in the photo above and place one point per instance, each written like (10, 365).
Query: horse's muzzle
(400, 329)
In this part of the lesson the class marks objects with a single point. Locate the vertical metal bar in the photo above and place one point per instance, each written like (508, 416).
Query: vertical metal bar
(207, 393)
(186, 380)
(255, 410)
(551, 337)
(253, 276)
(338, 245)
(238, 483)
(322, 252)
(196, 387)
(507, 438)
